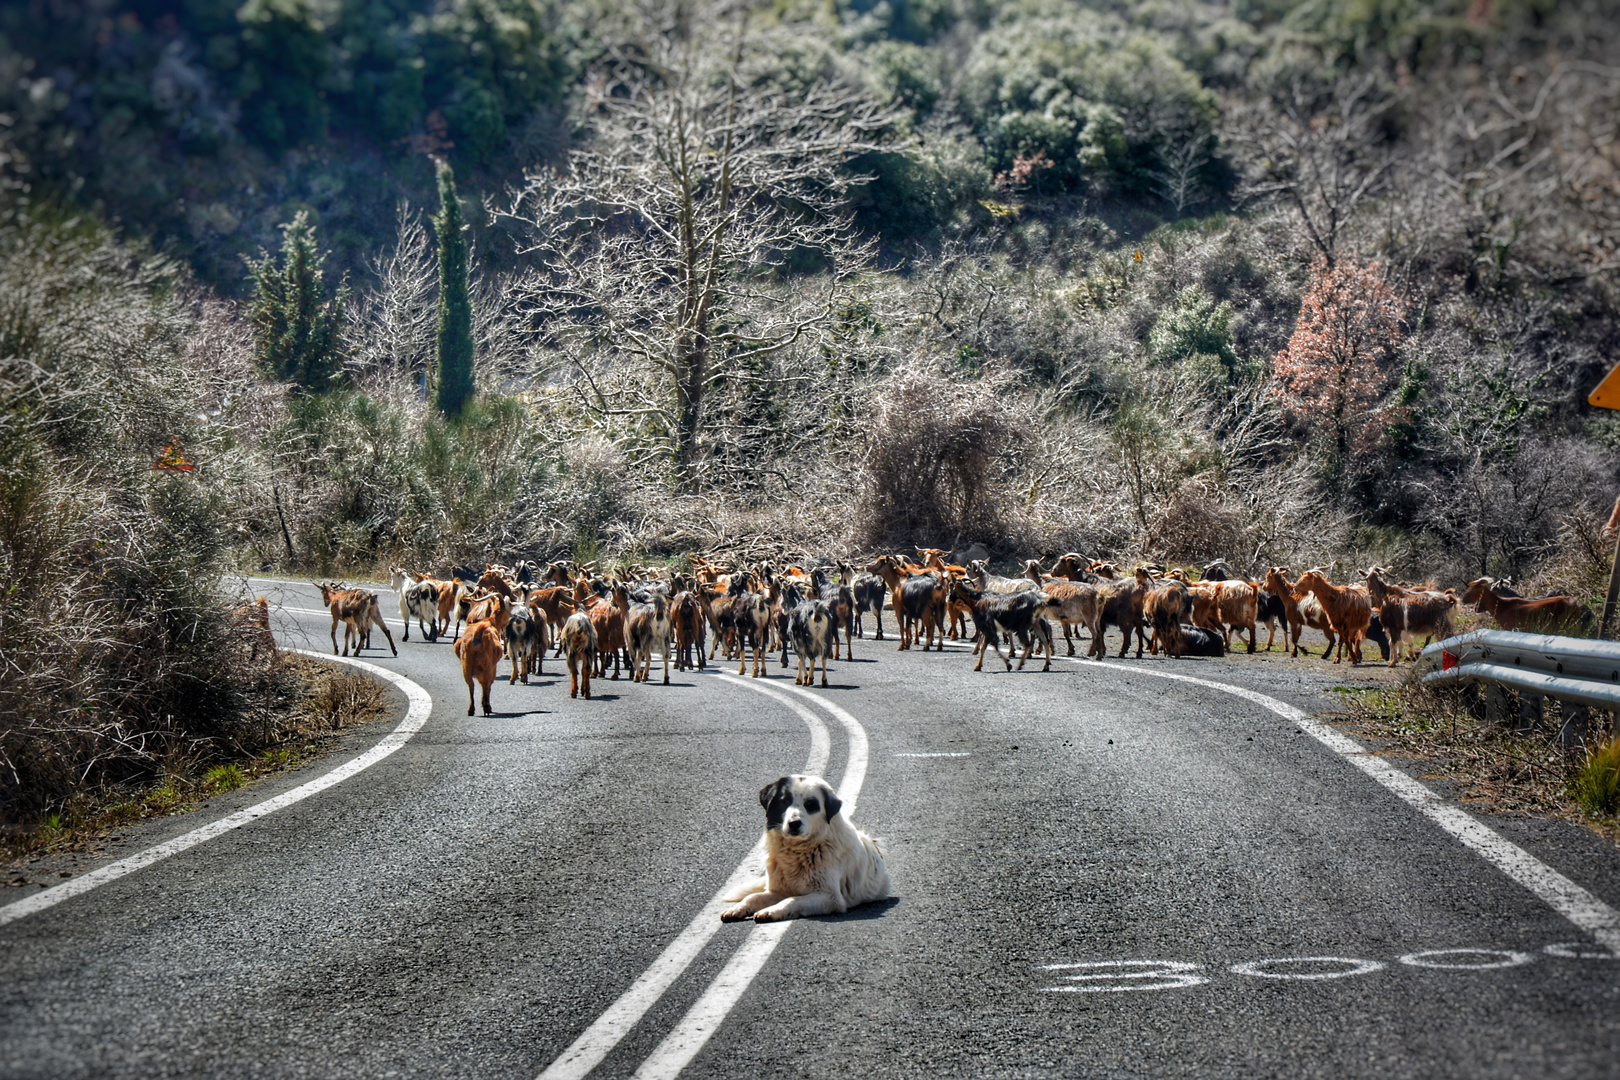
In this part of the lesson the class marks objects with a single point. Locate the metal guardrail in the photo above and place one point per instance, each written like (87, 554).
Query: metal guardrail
(1577, 670)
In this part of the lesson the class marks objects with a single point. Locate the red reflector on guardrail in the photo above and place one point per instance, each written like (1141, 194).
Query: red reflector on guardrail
(1447, 661)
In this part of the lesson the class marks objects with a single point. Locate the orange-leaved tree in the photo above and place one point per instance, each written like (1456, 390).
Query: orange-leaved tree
(1340, 362)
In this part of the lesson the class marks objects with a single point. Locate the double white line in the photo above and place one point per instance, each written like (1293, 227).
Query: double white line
(701, 1021)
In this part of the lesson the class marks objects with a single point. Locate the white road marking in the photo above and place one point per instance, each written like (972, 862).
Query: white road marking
(415, 716)
(1579, 950)
(1490, 958)
(704, 1018)
(1113, 976)
(1558, 892)
(957, 754)
(1265, 969)
(613, 1025)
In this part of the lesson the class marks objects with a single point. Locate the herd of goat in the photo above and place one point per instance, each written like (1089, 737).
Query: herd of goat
(596, 622)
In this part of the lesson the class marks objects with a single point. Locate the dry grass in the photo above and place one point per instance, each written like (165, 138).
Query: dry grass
(1492, 764)
(307, 704)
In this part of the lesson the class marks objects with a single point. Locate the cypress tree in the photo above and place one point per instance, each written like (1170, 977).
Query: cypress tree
(298, 334)
(455, 367)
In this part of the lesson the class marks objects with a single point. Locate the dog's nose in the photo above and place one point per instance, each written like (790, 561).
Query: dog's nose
(794, 826)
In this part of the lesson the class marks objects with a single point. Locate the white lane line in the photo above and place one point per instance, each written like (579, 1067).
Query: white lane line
(1554, 889)
(420, 706)
(612, 1026)
(682, 1044)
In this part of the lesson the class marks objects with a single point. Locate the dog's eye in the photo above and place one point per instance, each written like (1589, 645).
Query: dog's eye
(811, 806)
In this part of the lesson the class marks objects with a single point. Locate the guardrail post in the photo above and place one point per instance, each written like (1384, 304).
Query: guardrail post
(1572, 733)
(1495, 703)
(1530, 712)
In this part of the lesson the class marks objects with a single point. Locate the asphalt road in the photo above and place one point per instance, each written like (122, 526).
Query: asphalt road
(1098, 872)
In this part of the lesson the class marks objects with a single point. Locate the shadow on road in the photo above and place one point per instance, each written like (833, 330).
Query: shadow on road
(875, 910)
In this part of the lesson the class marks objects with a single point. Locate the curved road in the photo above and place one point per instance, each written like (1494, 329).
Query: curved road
(1098, 872)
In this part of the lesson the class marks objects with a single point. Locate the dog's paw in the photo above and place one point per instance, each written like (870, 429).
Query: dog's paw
(769, 915)
(734, 914)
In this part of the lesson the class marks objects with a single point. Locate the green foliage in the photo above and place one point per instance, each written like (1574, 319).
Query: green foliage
(1596, 784)
(283, 63)
(453, 378)
(226, 777)
(1196, 329)
(1104, 103)
(297, 328)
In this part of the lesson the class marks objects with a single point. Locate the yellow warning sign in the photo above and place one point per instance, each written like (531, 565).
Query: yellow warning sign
(1607, 394)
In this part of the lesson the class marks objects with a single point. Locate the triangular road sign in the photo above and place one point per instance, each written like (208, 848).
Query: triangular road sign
(1607, 394)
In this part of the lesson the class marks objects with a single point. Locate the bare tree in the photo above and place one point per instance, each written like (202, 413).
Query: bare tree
(393, 325)
(1321, 153)
(664, 249)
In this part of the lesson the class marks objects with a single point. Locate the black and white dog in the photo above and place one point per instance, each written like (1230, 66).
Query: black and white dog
(816, 862)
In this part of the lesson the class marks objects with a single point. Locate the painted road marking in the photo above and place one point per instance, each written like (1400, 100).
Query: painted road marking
(1460, 959)
(415, 716)
(1097, 976)
(1112, 976)
(1279, 968)
(704, 1018)
(615, 1023)
(1555, 890)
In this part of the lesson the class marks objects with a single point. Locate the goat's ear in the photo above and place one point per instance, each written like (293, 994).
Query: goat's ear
(834, 803)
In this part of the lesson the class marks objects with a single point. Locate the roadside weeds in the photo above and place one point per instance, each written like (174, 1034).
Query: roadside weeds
(1494, 764)
(313, 702)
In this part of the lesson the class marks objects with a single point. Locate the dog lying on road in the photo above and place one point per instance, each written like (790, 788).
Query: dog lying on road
(816, 862)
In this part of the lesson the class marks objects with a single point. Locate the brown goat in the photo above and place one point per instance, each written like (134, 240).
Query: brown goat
(358, 611)
(579, 647)
(479, 651)
(1348, 610)
(1545, 613)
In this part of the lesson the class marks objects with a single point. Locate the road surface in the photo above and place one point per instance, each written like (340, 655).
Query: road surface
(1098, 872)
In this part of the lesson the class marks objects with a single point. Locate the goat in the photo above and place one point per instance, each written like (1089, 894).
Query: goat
(751, 623)
(1299, 612)
(1021, 613)
(479, 652)
(1408, 612)
(525, 639)
(922, 608)
(1163, 608)
(579, 646)
(1122, 607)
(1547, 614)
(1197, 641)
(867, 592)
(1348, 611)
(686, 614)
(814, 628)
(358, 611)
(1076, 604)
(648, 624)
(607, 615)
(840, 599)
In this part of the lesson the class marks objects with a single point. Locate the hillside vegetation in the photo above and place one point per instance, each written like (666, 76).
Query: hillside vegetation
(1278, 283)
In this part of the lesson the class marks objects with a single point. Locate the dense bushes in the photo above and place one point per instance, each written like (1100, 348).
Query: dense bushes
(119, 652)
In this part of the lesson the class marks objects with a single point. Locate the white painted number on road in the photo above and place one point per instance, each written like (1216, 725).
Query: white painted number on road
(1307, 967)
(1466, 959)
(1579, 950)
(1105, 976)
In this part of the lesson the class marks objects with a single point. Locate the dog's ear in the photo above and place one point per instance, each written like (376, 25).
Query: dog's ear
(834, 803)
(776, 798)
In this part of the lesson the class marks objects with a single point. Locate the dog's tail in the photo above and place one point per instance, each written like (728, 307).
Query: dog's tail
(746, 889)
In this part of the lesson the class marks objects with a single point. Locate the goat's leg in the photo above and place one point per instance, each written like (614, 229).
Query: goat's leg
(376, 617)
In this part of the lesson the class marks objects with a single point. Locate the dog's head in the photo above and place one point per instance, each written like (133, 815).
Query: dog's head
(799, 807)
